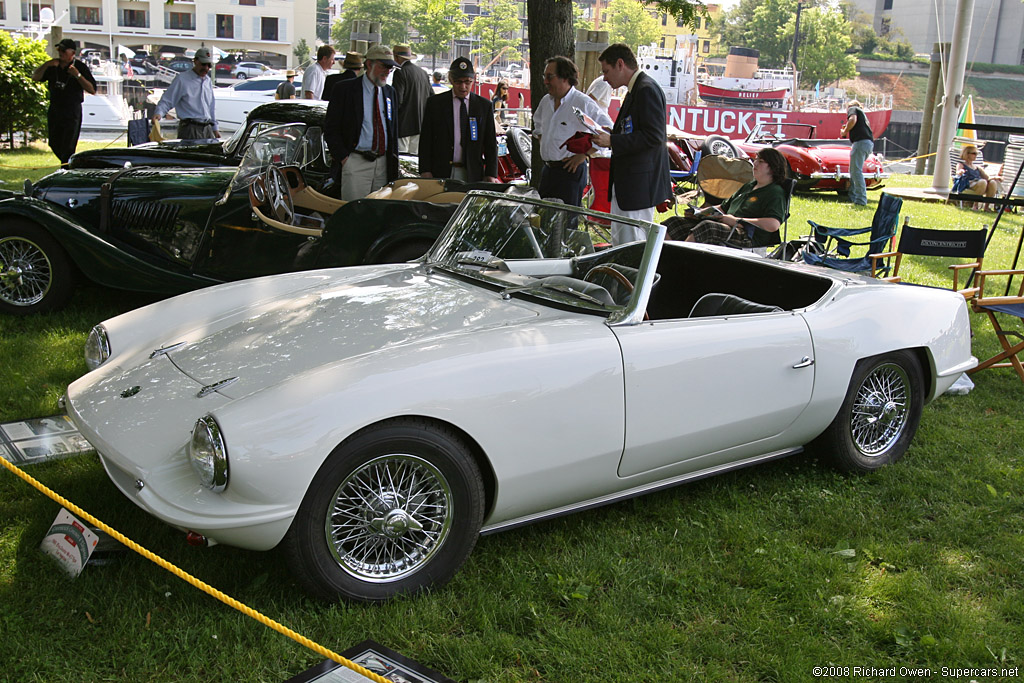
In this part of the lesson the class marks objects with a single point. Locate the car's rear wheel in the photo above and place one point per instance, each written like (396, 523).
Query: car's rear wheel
(240, 75)
(879, 416)
(520, 147)
(722, 146)
(36, 274)
(395, 509)
(406, 251)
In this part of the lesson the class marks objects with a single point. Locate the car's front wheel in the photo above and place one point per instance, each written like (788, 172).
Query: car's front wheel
(36, 274)
(240, 75)
(395, 509)
(879, 416)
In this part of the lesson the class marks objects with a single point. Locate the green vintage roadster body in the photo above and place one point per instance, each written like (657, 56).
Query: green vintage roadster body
(170, 230)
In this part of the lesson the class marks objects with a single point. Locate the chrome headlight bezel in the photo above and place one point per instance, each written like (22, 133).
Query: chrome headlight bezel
(208, 455)
(97, 347)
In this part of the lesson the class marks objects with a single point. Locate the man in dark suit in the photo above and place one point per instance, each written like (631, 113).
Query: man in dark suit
(353, 68)
(360, 127)
(457, 139)
(413, 87)
(639, 164)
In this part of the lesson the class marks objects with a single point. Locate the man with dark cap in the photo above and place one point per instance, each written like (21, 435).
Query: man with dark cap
(191, 96)
(353, 68)
(457, 139)
(360, 127)
(413, 87)
(67, 79)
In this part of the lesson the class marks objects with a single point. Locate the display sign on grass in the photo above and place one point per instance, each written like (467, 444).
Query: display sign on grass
(376, 658)
(41, 439)
(70, 542)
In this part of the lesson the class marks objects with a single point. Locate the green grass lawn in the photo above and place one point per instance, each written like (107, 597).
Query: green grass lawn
(757, 575)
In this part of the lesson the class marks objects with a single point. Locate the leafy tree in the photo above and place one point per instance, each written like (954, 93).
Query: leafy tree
(497, 29)
(393, 15)
(578, 20)
(631, 23)
(766, 32)
(301, 51)
(438, 24)
(23, 106)
(824, 46)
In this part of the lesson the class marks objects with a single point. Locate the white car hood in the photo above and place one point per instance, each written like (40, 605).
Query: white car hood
(289, 335)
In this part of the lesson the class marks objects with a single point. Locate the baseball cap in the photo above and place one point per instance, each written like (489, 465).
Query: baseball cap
(68, 44)
(461, 68)
(203, 56)
(383, 54)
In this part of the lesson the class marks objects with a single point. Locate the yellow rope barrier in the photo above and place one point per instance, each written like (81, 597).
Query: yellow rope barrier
(188, 578)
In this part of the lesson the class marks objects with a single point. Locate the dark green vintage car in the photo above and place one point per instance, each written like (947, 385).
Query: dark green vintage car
(170, 230)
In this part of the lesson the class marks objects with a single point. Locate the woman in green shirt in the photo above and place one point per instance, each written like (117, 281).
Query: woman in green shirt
(750, 216)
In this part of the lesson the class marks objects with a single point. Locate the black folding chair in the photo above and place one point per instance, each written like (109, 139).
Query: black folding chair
(969, 244)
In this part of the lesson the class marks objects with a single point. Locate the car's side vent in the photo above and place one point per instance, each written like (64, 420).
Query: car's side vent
(145, 216)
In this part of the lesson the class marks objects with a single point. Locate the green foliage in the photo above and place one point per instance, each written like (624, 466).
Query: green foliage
(394, 17)
(323, 27)
(767, 32)
(578, 20)
(23, 105)
(301, 51)
(824, 44)
(631, 23)
(438, 24)
(498, 28)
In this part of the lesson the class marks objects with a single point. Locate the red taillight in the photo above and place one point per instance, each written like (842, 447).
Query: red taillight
(194, 539)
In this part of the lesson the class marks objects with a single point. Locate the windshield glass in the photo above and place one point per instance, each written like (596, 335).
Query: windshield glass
(281, 145)
(542, 249)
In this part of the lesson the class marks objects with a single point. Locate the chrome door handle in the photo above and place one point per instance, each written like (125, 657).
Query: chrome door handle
(805, 362)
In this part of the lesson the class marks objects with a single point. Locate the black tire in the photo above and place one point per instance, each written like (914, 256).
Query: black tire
(388, 548)
(406, 251)
(879, 416)
(520, 147)
(36, 274)
(241, 76)
(716, 144)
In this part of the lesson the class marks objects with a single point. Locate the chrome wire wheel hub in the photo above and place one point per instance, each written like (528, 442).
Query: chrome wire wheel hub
(25, 273)
(389, 517)
(881, 409)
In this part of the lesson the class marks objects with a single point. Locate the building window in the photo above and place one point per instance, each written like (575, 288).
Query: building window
(250, 3)
(268, 28)
(680, 23)
(707, 46)
(225, 26)
(86, 15)
(3, 11)
(134, 18)
(887, 4)
(664, 20)
(30, 11)
(181, 21)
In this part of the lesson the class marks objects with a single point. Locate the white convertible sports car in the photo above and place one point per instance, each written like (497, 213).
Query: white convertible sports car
(374, 420)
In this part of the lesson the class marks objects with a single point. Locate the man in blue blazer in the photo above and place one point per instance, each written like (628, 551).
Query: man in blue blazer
(360, 127)
(639, 164)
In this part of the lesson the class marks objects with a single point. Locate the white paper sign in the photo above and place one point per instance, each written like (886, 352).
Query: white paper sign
(70, 542)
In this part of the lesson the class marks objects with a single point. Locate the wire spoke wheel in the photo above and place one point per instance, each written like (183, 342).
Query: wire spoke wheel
(881, 409)
(26, 273)
(389, 517)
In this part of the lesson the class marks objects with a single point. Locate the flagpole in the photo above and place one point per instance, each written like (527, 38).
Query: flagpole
(953, 96)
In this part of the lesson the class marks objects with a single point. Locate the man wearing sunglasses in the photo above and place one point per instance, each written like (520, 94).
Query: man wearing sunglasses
(191, 96)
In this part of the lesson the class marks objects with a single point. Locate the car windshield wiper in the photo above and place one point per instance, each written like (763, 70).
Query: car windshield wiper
(564, 285)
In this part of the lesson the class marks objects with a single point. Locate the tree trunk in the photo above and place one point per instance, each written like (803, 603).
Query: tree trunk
(551, 34)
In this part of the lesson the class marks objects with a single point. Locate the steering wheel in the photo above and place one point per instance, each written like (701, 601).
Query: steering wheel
(278, 196)
(615, 275)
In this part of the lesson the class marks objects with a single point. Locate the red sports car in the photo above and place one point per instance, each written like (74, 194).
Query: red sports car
(816, 164)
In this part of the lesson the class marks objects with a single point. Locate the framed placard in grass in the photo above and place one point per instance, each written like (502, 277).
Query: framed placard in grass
(41, 439)
(376, 658)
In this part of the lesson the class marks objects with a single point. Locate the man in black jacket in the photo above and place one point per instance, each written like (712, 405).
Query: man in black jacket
(360, 127)
(68, 79)
(413, 87)
(639, 164)
(457, 139)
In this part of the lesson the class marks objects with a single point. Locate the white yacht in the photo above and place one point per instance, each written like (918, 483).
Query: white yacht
(107, 110)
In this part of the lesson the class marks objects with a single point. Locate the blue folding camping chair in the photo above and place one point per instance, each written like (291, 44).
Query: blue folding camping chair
(834, 243)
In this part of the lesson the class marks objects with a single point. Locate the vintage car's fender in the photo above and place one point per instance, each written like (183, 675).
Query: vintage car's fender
(98, 259)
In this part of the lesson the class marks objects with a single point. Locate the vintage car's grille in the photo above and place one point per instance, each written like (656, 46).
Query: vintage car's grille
(145, 216)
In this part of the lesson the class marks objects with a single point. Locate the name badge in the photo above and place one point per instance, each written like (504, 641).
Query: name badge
(627, 125)
(387, 103)
(474, 133)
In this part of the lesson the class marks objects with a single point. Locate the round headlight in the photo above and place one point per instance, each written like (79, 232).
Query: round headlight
(97, 348)
(208, 455)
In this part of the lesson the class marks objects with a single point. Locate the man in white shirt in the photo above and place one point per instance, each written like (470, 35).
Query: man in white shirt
(191, 96)
(565, 170)
(313, 78)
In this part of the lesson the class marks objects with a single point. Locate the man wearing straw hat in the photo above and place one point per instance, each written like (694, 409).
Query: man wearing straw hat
(286, 91)
(353, 68)
(360, 127)
(413, 87)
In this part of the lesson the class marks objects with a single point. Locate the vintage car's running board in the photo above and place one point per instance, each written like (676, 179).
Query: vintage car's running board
(637, 491)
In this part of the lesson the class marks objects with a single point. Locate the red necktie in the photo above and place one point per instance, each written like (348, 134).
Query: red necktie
(378, 125)
(464, 126)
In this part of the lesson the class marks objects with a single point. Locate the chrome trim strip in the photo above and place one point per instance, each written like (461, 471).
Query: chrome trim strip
(633, 314)
(166, 349)
(216, 386)
(637, 491)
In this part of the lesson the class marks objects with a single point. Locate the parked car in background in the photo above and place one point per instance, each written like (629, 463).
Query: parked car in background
(169, 230)
(244, 70)
(180, 65)
(817, 164)
(372, 422)
(225, 66)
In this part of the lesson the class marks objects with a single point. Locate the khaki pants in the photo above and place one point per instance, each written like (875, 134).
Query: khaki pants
(360, 177)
